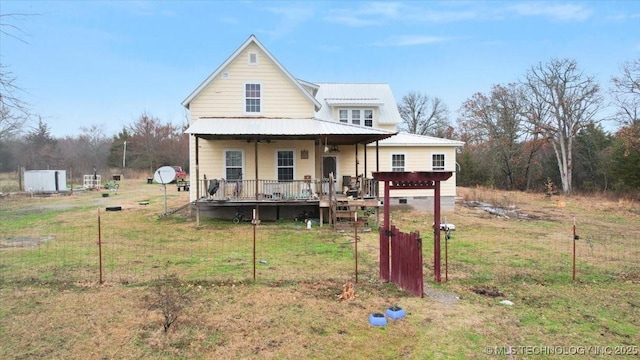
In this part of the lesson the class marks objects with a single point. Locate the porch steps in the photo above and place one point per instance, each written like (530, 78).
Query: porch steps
(343, 210)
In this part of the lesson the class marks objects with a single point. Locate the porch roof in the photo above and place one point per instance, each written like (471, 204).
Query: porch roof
(321, 131)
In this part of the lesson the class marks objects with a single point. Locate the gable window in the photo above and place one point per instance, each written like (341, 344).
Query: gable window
(356, 116)
(233, 164)
(285, 165)
(397, 162)
(252, 96)
(253, 59)
(437, 162)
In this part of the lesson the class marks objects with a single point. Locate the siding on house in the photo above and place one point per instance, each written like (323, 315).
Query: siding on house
(224, 97)
(284, 97)
(212, 158)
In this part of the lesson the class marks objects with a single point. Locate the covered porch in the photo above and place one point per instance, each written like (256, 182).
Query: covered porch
(314, 143)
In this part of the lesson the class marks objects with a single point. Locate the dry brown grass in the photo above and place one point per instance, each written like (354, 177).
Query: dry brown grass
(300, 315)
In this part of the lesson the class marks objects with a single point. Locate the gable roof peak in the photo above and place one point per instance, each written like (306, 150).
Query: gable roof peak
(252, 39)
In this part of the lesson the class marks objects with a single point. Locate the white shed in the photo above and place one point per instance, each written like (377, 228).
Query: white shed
(45, 180)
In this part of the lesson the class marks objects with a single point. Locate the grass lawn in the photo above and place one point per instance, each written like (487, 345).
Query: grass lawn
(173, 290)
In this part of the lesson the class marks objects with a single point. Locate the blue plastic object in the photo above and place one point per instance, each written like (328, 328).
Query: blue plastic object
(377, 319)
(395, 312)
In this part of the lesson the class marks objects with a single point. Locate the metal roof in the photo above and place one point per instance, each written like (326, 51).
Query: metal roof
(407, 139)
(285, 128)
(353, 102)
(369, 94)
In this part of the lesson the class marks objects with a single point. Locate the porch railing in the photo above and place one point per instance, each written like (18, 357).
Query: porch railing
(266, 189)
(238, 190)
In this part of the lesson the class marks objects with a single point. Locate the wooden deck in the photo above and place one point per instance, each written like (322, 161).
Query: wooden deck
(336, 209)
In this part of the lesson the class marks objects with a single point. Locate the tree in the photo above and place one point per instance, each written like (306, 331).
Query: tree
(569, 100)
(86, 151)
(593, 161)
(41, 149)
(154, 144)
(626, 97)
(499, 120)
(14, 111)
(118, 156)
(424, 115)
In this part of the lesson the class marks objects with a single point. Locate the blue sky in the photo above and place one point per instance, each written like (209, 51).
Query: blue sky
(106, 62)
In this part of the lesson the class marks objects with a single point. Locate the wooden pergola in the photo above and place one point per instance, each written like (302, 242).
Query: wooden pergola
(417, 180)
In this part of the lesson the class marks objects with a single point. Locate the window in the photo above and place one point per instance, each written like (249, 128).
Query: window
(355, 116)
(233, 163)
(397, 162)
(344, 116)
(437, 162)
(368, 118)
(285, 165)
(252, 98)
(253, 59)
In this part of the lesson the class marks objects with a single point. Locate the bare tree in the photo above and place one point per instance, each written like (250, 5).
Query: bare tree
(155, 144)
(570, 100)
(626, 93)
(499, 120)
(86, 151)
(14, 111)
(424, 115)
(626, 97)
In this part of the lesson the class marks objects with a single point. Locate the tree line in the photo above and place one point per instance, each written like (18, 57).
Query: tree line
(542, 133)
(142, 146)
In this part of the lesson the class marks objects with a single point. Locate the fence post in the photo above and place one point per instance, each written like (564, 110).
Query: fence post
(100, 246)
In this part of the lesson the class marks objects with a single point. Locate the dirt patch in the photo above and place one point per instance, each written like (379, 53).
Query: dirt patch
(23, 242)
(509, 212)
(443, 297)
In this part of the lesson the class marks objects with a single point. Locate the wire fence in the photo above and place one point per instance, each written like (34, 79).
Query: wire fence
(217, 252)
(594, 255)
(95, 248)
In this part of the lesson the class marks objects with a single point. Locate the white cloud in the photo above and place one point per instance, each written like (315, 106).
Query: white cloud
(290, 17)
(562, 12)
(411, 40)
(382, 13)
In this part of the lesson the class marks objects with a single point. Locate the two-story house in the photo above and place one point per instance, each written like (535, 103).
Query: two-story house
(261, 138)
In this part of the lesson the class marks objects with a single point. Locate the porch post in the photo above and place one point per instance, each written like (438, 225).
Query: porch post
(255, 155)
(436, 232)
(365, 162)
(197, 170)
(377, 157)
(197, 184)
(356, 174)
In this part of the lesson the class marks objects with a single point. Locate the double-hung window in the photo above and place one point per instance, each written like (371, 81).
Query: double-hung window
(344, 116)
(252, 98)
(285, 165)
(437, 162)
(368, 118)
(397, 162)
(356, 116)
(233, 163)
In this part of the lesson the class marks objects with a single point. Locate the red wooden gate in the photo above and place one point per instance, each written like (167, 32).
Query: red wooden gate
(404, 253)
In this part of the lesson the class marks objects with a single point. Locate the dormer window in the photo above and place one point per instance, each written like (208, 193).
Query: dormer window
(253, 58)
(252, 97)
(356, 117)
